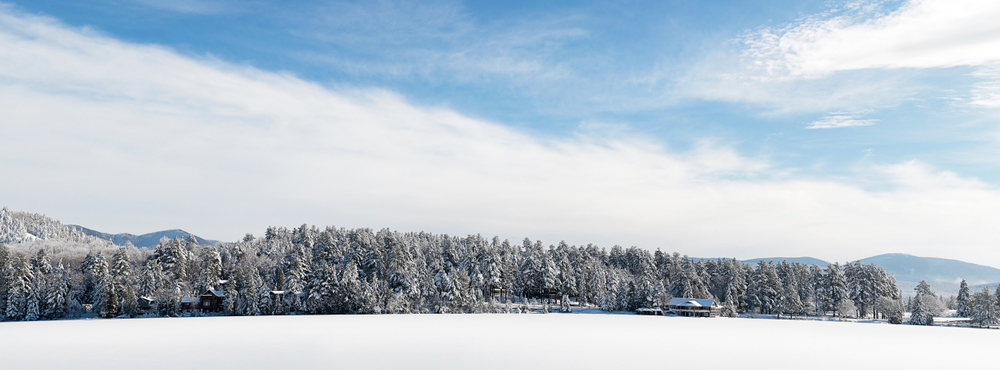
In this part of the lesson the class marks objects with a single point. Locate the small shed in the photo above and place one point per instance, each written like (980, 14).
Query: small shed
(189, 303)
(494, 291)
(649, 311)
(146, 303)
(694, 307)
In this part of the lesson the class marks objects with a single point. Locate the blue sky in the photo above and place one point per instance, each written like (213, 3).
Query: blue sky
(550, 68)
(823, 128)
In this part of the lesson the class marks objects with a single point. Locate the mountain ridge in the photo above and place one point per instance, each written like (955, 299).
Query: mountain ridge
(803, 260)
(147, 240)
(912, 269)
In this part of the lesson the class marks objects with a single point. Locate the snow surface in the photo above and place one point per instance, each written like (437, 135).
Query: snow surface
(553, 341)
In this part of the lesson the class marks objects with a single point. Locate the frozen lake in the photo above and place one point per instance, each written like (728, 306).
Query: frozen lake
(553, 341)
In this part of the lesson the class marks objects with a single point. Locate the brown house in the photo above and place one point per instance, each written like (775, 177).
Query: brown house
(209, 301)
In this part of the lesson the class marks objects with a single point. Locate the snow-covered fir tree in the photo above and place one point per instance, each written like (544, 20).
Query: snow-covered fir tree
(983, 309)
(924, 305)
(962, 301)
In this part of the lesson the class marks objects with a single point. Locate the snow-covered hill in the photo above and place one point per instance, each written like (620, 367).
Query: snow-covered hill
(26, 232)
(803, 260)
(553, 341)
(148, 240)
(909, 268)
(18, 227)
(943, 274)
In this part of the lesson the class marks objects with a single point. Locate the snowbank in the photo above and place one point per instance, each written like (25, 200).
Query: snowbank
(553, 341)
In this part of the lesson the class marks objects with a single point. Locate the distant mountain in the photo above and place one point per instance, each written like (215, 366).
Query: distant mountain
(802, 260)
(145, 240)
(911, 268)
(944, 275)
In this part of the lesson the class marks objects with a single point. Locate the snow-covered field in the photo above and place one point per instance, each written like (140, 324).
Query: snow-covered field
(553, 341)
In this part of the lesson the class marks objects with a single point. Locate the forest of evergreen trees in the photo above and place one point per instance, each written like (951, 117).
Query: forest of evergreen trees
(338, 271)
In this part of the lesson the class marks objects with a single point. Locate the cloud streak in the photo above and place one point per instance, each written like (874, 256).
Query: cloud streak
(862, 55)
(919, 34)
(838, 121)
(127, 137)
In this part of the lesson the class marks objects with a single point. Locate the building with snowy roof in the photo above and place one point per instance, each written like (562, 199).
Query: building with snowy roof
(694, 307)
(209, 301)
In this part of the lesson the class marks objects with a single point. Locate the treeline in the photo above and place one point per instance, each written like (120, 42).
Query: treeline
(336, 270)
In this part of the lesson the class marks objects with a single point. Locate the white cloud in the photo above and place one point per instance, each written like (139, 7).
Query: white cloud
(200, 7)
(838, 121)
(134, 138)
(859, 56)
(986, 92)
(919, 34)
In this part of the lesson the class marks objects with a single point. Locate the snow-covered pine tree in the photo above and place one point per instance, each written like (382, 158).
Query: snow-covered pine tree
(267, 306)
(211, 268)
(106, 303)
(296, 269)
(350, 289)
(32, 309)
(835, 287)
(122, 278)
(491, 270)
(321, 288)
(766, 288)
(983, 309)
(530, 271)
(925, 305)
(41, 262)
(56, 294)
(789, 301)
(4, 275)
(567, 277)
(892, 309)
(19, 280)
(173, 256)
(962, 301)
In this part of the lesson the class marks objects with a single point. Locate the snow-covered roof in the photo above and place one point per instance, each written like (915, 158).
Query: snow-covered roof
(277, 292)
(691, 302)
(217, 293)
(190, 299)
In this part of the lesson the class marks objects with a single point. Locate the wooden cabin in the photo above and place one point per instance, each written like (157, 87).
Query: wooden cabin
(208, 301)
(189, 303)
(694, 307)
(211, 300)
(495, 291)
(550, 294)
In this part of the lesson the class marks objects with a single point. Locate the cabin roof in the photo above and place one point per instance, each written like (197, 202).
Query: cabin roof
(217, 293)
(691, 302)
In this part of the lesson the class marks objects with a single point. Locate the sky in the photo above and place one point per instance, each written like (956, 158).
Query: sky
(832, 129)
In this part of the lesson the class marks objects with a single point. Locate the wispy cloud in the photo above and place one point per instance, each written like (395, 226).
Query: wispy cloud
(838, 121)
(986, 92)
(919, 34)
(437, 40)
(128, 137)
(858, 55)
(199, 7)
